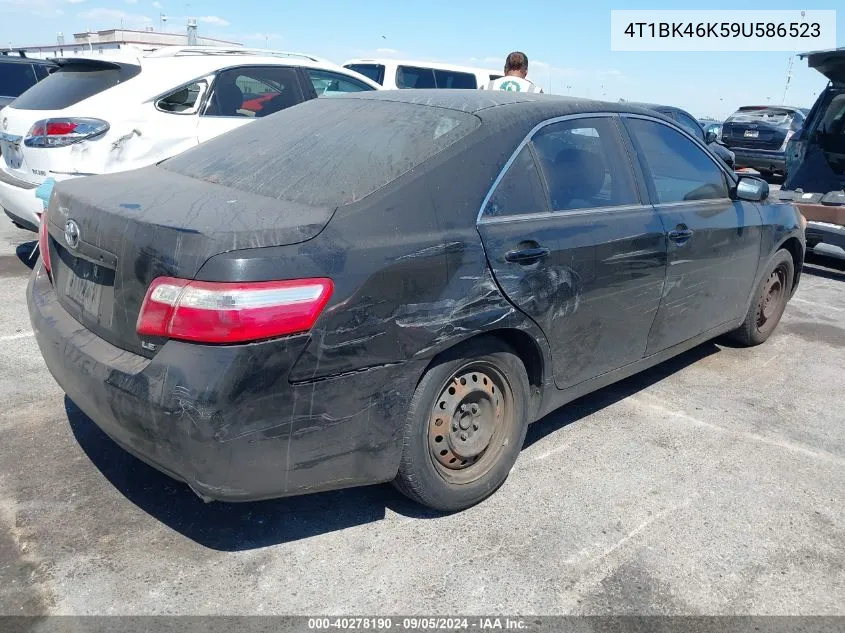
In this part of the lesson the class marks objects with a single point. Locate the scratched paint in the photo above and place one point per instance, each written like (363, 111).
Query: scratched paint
(414, 275)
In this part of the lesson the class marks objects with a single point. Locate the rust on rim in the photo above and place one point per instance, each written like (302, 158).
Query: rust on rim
(772, 297)
(465, 417)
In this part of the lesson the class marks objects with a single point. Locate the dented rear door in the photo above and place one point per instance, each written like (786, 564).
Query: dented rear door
(596, 291)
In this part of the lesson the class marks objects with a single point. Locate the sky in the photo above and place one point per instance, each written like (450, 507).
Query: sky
(568, 46)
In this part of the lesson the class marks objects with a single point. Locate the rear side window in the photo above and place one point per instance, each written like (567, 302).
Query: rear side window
(326, 152)
(680, 170)
(520, 192)
(585, 165)
(416, 78)
(184, 100)
(41, 71)
(454, 79)
(370, 71)
(74, 82)
(253, 92)
(15, 79)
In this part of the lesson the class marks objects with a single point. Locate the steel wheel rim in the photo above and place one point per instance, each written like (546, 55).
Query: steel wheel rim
(469, 422)
(771, 298)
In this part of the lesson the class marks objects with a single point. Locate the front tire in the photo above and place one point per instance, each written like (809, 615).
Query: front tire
(769, 301)
(465, 428)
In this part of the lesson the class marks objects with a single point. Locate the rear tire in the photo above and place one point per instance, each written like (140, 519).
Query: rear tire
(465, 428)
(769, 301)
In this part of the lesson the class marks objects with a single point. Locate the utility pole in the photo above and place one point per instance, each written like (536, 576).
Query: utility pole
(788, 77)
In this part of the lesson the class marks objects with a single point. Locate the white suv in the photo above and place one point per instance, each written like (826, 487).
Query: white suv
(97, 116)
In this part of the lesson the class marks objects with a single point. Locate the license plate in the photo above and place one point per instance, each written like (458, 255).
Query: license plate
(84, 292)
(11, 154)
(752, 133)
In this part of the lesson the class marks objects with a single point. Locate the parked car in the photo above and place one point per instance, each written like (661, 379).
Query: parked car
(19, 73)
(710, 126)
(815, 159)
(758, 136)
(393, 74)
(98, 116)
(686, 121)
(391, 285)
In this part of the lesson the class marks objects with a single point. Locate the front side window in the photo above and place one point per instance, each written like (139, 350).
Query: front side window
(253, 92)
(520, 191)
(585, 165)
(184, 100)
(679, 169)
(415, 78)
(327, 83)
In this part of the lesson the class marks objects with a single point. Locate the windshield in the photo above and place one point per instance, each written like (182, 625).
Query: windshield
(326, 152)
(774, 116)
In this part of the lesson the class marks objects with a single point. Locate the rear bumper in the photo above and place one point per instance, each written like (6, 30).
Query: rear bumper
(759, 159)
(826, 239)
(19, 202)
(225, 419)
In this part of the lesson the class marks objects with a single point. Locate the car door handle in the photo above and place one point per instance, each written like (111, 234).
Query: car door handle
(680, 235)
(527, 255)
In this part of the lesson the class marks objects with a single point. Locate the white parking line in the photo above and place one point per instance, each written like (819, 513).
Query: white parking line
(15, 337)
(816, 303)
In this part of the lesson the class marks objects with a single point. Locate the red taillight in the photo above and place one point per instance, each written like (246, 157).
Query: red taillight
(211, 312)
(64, 131)
(44, 242)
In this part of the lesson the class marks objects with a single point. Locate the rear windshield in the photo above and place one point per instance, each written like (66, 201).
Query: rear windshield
(74, 82)
(325, 152)
(775, 116)
(15, 78)
(371, 71)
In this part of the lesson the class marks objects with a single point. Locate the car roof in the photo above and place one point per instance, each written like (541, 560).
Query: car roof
(493, 103)
(17, 59)
(658, 107)
(170, 67)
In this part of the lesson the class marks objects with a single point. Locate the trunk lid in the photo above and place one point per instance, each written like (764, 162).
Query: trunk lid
(830, 63)
(135, 226)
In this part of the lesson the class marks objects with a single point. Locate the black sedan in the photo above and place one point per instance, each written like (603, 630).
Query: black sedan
(391, 286)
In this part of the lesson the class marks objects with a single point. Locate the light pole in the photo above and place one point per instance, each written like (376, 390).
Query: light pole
(568, 89)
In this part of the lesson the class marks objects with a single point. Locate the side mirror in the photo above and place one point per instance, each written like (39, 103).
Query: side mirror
(709, 137)
(752, 189)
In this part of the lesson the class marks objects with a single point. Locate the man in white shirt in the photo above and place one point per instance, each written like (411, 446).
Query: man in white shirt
(516, 71)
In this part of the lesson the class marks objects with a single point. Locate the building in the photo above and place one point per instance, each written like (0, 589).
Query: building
(111, 40)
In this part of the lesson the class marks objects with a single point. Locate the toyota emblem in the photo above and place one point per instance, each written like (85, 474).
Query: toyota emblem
(72, 233)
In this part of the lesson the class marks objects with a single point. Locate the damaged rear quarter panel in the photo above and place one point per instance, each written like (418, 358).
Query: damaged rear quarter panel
(411, 277)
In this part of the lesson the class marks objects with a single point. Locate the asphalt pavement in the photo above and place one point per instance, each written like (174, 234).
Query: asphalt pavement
(711, 484)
